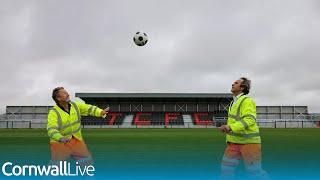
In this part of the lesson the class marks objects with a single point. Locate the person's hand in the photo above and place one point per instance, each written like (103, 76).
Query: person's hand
(104, 112)
(64, 140)
(225, 128)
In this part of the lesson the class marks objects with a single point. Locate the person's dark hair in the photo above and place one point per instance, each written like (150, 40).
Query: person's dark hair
(55, 93)
(246, 84)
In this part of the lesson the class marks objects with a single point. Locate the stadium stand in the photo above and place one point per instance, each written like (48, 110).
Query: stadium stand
(189, 110)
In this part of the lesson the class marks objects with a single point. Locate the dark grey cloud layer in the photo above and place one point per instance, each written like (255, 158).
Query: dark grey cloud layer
(195, 46)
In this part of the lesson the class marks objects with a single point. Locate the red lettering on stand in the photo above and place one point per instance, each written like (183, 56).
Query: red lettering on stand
(198, 120)
(142, 121)
(171, 117)
(113, 117)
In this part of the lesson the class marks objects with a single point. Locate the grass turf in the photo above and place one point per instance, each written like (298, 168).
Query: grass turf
(134, 149)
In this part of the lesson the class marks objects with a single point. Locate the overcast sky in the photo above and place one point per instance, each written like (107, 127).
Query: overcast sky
(194, 46)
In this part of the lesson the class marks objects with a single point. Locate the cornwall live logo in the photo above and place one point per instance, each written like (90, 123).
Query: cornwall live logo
(64, 168)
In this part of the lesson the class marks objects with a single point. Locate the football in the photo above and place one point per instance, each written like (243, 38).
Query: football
(140, 38)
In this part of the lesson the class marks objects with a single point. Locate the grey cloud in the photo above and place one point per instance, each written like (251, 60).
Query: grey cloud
(195, 46)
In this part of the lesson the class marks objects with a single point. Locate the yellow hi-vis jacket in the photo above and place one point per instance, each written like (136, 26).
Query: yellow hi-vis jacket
(242, 121)
(61, 124)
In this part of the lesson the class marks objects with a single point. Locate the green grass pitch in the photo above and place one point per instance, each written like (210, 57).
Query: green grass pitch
(172, 148)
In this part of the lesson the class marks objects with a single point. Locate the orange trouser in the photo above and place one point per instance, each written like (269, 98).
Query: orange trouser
(251, 155)
(75, 149)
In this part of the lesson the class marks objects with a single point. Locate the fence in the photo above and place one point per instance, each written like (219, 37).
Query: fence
(6, 124)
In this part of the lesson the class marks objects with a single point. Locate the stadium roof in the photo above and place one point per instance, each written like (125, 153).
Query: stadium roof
(153, 95)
